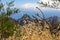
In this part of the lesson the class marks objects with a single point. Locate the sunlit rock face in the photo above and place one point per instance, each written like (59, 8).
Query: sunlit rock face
(25, 19)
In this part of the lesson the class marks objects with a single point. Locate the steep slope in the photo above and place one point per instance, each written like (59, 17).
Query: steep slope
(25, 19)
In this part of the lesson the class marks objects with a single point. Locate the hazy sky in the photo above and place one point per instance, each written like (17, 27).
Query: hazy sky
(25, 3)
(32, 4)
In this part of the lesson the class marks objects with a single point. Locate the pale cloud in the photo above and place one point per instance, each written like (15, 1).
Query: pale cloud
(29, 5)
(32, 6)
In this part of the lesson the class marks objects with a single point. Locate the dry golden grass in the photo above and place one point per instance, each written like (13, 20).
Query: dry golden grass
(32, 32)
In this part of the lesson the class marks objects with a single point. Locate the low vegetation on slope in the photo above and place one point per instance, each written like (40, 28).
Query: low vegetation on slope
(32, 32)
(35, 31)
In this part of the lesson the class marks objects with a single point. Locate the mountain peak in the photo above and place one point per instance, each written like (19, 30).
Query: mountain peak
(25, 19)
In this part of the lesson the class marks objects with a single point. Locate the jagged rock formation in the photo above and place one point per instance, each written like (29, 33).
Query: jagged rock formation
(25, 19)
(32, 32)
(55, 24)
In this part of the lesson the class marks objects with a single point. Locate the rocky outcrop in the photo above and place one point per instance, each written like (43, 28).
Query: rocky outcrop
(25, 19)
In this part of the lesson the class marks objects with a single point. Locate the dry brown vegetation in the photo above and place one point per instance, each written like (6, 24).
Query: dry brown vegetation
(32, 32)
(36, 29)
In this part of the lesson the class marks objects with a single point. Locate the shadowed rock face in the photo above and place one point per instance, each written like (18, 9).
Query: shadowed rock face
(25, 19)
(54, 21)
